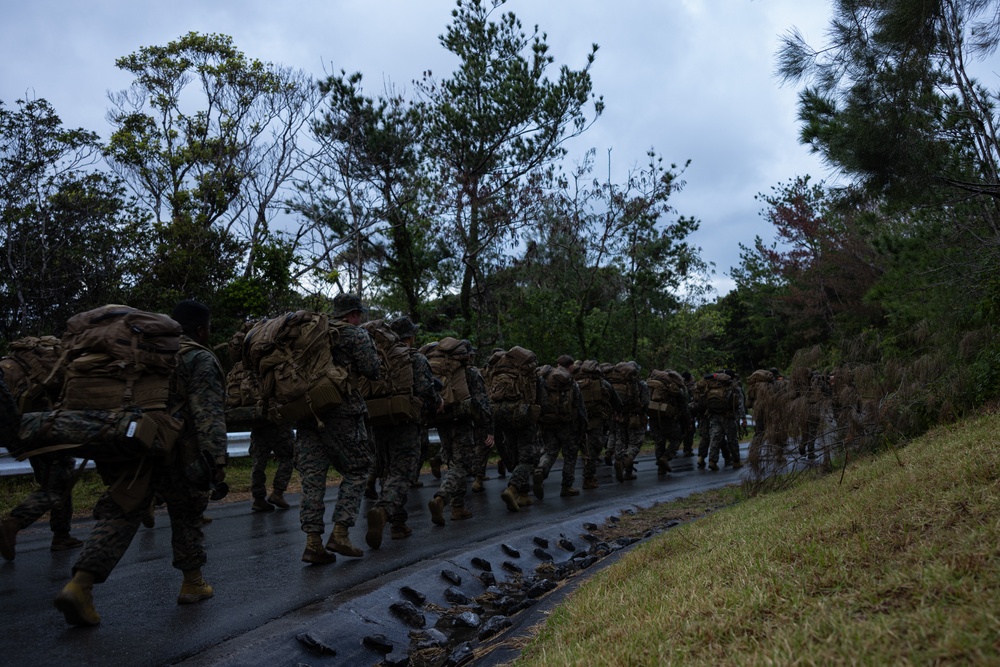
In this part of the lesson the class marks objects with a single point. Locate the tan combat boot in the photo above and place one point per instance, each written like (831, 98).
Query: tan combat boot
(277, 498)
(340, 542)
(436, 506)
(377, 518)
(64, 541)
(261, 505)
(194, 588)
(662, 466)
(315, 553)
(76, 600)
(477, 484)
(460, 513)
(569, 491)
(509, 498)
(400, 531)
(523, 500)
(590, 483)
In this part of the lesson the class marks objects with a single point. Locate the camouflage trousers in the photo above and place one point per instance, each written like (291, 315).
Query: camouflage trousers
(115, 527)
(519, 445)
(400, 445)
(480, 453)
(341, 443)
(627, 440)
(723, 433)
(667, 434)
(703, 436)
(458, 448)
(267, 439)
(555, 439)
(597, 440)
(54, 475)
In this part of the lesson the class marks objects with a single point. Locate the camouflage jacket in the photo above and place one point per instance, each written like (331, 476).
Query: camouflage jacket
(200, 387)
(482, 412)
(355, 351)
(423, 384)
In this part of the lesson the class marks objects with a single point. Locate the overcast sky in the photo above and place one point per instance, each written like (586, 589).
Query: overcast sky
(692, 79)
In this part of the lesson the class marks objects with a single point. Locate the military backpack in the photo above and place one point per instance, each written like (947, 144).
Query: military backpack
(668, 394)
(390, 398)
(624, 377)
(596, 397)
(449, 358)
(293, 360)
(557, 407)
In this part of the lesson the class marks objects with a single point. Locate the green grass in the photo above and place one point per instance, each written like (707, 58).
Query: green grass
(897, 565)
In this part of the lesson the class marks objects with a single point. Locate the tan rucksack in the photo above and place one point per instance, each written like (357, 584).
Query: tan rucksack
(624, 377)
(27, 371)
(390, 398)
(667, 394)
(513, 377)
(449, 358)
(557, 408)
(292, 358)
(118, 363)
(596, 398)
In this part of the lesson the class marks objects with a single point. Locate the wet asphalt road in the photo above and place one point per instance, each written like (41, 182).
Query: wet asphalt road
(264, 594)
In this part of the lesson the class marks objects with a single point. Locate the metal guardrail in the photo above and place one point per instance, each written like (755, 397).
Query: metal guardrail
(239, 447)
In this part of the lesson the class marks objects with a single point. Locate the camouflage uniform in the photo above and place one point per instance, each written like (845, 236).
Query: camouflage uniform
(267, 438)
(691, 426)
(723, 429)
(341, 441)
(598, 426)
(517, 442)
(564, 437)
(200, 387)
(629, 430)
(458, 440)
(54, 475)
(402, 444)
(668, 432)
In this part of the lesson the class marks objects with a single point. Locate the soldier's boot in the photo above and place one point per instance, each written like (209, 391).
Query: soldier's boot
(436, 466)
(339, 542)
(377, 518)
(261, 505)
(64, 541)
(619, 470)
(460, 513)
(629, 469)
(436, 506)
(509, 498)
(76, 600)
(537, 477)
(662, 467)
(701, 462)
(8, 537)
(713, 465)
(737, 464)
(523, 500)
(501, 469)
(399, 530)
(688, 452)
(590, 483)
(477, 485)
(568, 491)
(416, 484)
(194, 588)
(277, 498)
(315, 553)
(370, 492)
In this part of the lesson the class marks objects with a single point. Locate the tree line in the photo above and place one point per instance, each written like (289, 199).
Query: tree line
(258, 189)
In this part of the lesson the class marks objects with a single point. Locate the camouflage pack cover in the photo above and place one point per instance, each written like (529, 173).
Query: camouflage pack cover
(291, 356)
(596, 397)
(624, 377)
(448, 359)
(390, 399)
(667, 393)
(30, 371)
(118, 357)
(557, 407)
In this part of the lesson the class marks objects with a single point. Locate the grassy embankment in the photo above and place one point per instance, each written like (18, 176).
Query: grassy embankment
(897, 563)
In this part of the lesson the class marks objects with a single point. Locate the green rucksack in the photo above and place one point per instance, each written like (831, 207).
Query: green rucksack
(668, 394)
(390, 398)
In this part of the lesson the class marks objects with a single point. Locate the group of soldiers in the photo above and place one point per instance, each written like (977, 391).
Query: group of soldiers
(530, 413)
